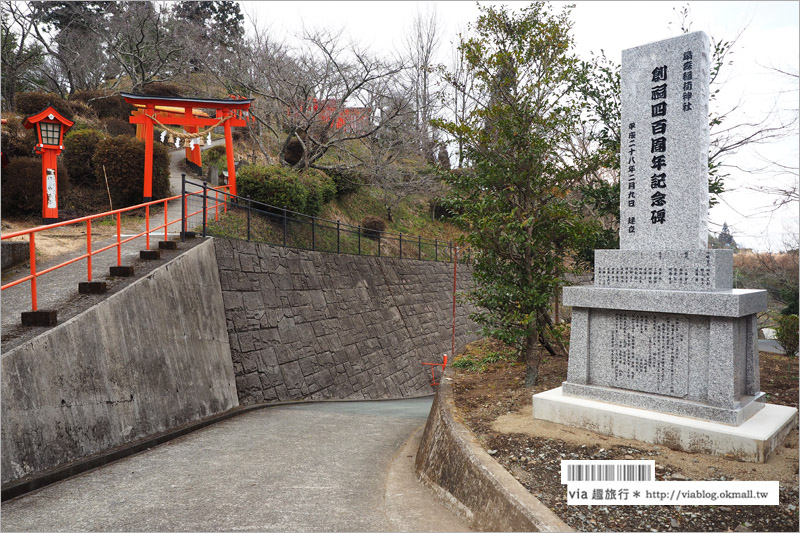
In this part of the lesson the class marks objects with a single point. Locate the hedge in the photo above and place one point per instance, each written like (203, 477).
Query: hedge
(273, 185)
(282, 187)
(21, 186)
(33, 102)
(123, 158)
(79, 147)
(321, 190)
(105, 105)
(117, 126)
(16, 140)
(787, 334)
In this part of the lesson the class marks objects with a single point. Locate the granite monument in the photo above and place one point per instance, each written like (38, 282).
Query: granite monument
(662, 331)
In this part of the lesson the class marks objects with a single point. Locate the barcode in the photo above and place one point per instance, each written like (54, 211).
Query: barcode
(576, 471)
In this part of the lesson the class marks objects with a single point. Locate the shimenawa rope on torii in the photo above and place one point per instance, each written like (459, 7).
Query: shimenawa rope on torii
(186, 135)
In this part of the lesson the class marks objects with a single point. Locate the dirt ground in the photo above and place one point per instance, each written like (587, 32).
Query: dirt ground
(495, 404)
(65, 239)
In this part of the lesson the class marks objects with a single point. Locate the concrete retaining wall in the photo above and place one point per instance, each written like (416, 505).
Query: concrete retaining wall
(13, 253)
(150, 358)
(315, 325)
(470, 482)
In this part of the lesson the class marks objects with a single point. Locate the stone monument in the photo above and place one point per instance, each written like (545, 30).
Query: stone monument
(662, 348)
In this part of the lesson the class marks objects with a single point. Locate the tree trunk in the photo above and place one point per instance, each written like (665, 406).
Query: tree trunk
(532, 357)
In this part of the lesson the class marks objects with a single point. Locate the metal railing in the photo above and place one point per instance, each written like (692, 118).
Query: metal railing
(247, 219)
(91, 252)
(217, 212)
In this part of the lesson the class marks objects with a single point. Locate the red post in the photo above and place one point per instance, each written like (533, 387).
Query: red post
(148, 154)
(229, 155)
(119, 241)
(50, 129)
(33, 272)
(50, 185)
(89, 249)
(147, 224)
(455, 272)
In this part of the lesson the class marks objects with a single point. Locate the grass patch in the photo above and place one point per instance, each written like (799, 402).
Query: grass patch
(481, 355)
(422, 238)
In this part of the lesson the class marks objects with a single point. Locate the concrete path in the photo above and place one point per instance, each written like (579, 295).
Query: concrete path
(55, 289)
(770, 346)
(319, 467)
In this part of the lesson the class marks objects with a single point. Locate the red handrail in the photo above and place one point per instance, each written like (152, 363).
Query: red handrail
(31, 233)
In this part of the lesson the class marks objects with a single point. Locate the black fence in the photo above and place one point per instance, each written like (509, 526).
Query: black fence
(216, 212)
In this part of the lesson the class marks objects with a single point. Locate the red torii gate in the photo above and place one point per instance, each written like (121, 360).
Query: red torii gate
(229, 113)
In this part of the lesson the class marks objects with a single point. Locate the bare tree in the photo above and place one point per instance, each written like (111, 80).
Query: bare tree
(726, 139)
(780, 177)
(140, 40)
(390, 161)
(318, 97)
(457, 100)
(20, 57)
(422, 43)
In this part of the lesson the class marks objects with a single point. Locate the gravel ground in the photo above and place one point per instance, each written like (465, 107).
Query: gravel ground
(495, 404)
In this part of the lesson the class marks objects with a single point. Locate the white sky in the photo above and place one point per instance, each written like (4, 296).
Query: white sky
(771, 39)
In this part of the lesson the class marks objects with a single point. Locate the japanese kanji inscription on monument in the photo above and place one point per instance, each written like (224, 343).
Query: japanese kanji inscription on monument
(664, 205)
(662, 330)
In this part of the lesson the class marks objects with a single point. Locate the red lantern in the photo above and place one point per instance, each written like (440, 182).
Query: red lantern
(50, 129)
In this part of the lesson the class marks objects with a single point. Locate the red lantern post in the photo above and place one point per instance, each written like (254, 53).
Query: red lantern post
(50, 128)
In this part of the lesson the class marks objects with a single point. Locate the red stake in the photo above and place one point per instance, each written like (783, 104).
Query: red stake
(455, 272)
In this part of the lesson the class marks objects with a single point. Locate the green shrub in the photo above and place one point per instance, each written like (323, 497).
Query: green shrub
(787, 334)
(16, 140)
(81, 110)
(216, 156)
(372, 227)
(479, 364)
(321, 190)
(158, 88)
(117, 126)
(104, 104)
(273, 185)
(346, 182)
(123, 159)
(33, 102)
(21, 186)
(79, 147)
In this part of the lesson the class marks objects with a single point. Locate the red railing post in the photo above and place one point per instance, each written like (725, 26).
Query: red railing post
(33, 272)
(166, 223)
(89, 249)
(119, 240)
(147, 224)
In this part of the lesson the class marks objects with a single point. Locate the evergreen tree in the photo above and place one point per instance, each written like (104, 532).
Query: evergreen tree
(518, 195)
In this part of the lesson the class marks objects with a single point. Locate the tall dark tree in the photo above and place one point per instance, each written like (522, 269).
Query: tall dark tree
(218, 22)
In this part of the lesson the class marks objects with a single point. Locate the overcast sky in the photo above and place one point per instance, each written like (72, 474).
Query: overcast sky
(770, 40)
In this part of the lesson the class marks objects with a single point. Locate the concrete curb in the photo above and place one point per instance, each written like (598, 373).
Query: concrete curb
(471, 483)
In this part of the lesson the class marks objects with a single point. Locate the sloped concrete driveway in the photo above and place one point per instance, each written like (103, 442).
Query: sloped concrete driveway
(318, 467)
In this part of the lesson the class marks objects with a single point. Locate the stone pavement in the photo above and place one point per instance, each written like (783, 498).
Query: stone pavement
(318, 467)
(56, 289)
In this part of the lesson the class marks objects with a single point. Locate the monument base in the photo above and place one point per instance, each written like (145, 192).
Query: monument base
(745, 408)
(753, 441)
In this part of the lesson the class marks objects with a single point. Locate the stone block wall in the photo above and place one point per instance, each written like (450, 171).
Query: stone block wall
(314, 325)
